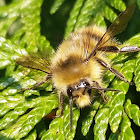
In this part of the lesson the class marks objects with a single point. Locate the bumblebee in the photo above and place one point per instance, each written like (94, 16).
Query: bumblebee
(80, 61)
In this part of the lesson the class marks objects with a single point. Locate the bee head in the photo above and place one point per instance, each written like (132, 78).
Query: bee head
(80, 93)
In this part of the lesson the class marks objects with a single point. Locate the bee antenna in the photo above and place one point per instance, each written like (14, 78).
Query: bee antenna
(105, 89)
(71, 114)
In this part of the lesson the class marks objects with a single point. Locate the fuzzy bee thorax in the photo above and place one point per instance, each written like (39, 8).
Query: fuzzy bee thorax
(69, 72)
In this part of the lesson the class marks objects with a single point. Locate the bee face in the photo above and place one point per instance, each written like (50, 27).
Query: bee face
(80, 93)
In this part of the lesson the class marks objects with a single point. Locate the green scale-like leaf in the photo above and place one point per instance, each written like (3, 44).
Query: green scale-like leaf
(101, 123)
(115, 111)
(56, 6)
(16, 87)
(134, 41)
(31, 136)
(44, 46)
(60, 127)
(9, 102)
(13, 115)
(26, 19)
(87, 11)
(118, 4)
(20, 106)
(116, 102)
(73, 17)
(127, 70)
(138, 2)
(27, 122)
(99, 20)
(8, 15)
(88, 117)
(125, 131)
(9, 51)
(133, 111)
(31, 92)
(31, 25)
(109, 13)
(137, 74)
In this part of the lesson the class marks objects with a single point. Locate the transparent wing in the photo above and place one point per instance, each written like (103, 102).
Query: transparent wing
(36, 62)
(115, 28)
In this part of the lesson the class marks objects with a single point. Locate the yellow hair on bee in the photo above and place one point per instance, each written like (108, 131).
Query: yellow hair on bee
(83, 101)
(68, 66)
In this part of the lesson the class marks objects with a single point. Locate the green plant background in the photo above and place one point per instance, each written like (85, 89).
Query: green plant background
(30, 26)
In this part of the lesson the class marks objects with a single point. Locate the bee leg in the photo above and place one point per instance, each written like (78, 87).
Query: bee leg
(114, 49)
(101, 91)
(70, 105)
(60, 105)
(118, 74)
(128, 49)
(46, 78)
(71, 113)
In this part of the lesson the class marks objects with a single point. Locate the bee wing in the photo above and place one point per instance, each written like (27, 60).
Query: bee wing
(34, 62)
(115, 28)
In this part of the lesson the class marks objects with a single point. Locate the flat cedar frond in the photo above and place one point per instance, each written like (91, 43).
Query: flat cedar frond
(31, 27)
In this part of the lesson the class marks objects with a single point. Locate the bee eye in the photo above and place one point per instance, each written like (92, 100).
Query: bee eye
(86, 84)
(69, 91)
(89, 91)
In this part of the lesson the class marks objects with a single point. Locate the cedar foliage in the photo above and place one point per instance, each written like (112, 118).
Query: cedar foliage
(37, 25)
